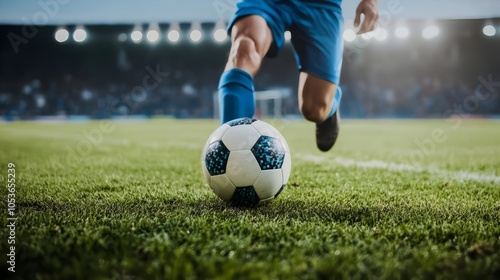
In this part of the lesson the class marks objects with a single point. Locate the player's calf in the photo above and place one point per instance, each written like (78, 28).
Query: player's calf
(316, 110)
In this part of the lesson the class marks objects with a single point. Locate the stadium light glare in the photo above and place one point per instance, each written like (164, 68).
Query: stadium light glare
(430, 32)
(136, 36)
(153, 36)
(174, 33)
(381, 34)
(349, 35)
(220, 35)
(153, 33)
(489, 30)
(402, 32)
(61, 35)
(79, 35)
(288, 35)
(195, 34)
(173, 36)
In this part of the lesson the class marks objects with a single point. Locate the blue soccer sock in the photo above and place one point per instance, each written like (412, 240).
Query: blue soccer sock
(336, 101)
(236, 95)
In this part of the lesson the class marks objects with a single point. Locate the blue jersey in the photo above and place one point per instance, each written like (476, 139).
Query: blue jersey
(316, 28)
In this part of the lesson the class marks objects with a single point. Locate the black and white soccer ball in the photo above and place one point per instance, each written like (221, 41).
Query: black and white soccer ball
(246, 162)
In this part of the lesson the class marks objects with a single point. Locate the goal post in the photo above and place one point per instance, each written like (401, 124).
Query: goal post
(268, 103)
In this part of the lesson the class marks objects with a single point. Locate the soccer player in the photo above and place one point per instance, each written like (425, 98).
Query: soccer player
(257, 30)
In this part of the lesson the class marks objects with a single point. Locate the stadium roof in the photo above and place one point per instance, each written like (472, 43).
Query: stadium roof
(54, 12)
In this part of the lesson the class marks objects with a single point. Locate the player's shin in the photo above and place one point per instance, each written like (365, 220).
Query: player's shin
(236, 95)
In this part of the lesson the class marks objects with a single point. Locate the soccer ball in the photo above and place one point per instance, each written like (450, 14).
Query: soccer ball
(246, 162)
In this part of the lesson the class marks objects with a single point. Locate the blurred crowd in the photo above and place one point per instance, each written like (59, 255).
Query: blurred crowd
(185, 94)
(179, 95)
(429, 98)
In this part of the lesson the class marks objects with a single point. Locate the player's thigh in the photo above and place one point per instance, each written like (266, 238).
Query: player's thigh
(255, 28)
(315, 95)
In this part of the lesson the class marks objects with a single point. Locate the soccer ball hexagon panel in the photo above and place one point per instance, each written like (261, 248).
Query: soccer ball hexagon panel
(246, 162)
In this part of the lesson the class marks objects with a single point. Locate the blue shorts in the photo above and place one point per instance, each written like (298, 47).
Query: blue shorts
(316, 28)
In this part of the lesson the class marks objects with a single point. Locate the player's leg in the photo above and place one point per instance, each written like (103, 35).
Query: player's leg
(317, 40)
(319, 100)
(316, 97)
(251, 39)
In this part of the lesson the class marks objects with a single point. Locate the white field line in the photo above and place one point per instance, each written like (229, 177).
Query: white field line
(376, 164)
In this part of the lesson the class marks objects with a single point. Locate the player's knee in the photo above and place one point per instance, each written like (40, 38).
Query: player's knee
(244, 55)
(316, 111)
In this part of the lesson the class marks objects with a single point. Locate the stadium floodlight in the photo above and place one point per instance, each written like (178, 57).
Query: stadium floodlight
(381, 34)
(153, 36)
(489, 30)
(61, 35)
(79, 35)
(220, 34)
(136, 34)
(402, 32)
(288, 35)
(122, 37)
(349, 35)
(174, 34)
(430, 32)
(153, 33)
(195, 34)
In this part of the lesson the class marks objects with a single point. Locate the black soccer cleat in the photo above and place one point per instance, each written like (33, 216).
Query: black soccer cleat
(327, 132)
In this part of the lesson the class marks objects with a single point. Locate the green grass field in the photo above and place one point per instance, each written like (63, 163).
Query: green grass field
(394, 199)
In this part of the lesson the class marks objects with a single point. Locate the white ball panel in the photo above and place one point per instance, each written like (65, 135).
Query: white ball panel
(266, 129)
(268, 183)
(286, 168)
(242, 168)
(218, 133)
(222, 187)
(241, 137)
